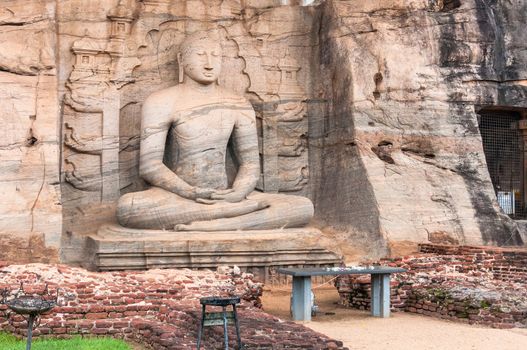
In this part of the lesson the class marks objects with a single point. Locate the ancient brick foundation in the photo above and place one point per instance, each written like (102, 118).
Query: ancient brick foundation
(476, 285)
(157, 308)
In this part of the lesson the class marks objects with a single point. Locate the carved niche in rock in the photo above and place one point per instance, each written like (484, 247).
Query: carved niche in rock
(112, 77)
(194, 194)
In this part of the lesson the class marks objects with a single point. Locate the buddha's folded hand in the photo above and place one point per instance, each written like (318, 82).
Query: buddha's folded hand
(232, 197)
(203, 193)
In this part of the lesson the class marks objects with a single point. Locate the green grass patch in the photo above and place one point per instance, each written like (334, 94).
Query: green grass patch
(9, 342)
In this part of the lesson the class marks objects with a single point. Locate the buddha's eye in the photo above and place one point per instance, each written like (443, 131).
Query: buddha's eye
(215, 53)
(200, 53)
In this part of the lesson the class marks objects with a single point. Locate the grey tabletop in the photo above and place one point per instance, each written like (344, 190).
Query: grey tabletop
(350, 270)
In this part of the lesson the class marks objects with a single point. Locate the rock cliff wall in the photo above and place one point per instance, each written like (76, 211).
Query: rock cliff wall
(30, 207)
(367, 107)
(404, 80)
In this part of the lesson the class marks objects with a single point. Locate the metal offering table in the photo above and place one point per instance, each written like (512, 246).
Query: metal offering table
(31, 306)
(380, 287)
(223, 317)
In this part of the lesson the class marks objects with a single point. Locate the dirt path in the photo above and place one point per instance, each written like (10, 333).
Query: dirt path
(359, 331)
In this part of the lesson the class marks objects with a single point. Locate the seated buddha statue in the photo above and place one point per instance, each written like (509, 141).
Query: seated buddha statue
(193, 194)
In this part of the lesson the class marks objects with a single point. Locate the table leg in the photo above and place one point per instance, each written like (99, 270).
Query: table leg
(202, 324)
(375, 303)
(301, 303)
(237, 325)
(380, 295)
(225, 330)
(385, 295)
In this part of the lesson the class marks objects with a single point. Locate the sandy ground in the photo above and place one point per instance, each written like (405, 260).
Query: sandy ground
(358, 330)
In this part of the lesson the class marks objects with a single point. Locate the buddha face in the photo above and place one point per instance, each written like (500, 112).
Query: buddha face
(201, 61)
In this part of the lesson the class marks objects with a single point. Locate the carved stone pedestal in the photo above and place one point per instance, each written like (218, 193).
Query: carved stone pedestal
(259, 252)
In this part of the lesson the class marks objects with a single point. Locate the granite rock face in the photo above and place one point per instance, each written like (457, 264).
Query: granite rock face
(367, 108)
(401, 152)
(30, 205)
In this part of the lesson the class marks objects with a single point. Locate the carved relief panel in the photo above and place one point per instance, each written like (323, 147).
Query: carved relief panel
(281, 79)
(91, 108)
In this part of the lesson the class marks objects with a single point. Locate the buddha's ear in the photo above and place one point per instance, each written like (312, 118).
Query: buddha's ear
(180, 68)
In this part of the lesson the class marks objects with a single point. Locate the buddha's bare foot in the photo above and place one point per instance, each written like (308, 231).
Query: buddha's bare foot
(183, 227)
(211, 225)
(263, 204)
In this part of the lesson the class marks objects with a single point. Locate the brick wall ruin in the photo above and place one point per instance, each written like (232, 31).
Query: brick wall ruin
(476, 285)
(158, 308)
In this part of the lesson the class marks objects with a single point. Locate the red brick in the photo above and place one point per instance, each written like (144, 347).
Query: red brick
(103, 324)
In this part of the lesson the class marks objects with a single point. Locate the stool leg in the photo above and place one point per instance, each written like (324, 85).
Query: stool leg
(200, 332)
(237, 327)
(225, 328)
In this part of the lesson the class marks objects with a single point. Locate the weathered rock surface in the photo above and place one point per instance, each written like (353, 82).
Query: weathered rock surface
(367, 108)
(400, 152)
(30, 133)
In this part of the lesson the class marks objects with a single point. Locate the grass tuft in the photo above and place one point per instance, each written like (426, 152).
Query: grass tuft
(9, 342)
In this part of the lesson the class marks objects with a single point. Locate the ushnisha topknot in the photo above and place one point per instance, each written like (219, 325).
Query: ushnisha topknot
(205, 35)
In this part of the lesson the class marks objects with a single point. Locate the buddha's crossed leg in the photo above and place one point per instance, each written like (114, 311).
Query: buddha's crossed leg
(159, 209)
(278, 211)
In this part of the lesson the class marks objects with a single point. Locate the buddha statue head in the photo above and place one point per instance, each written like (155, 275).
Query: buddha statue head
(199, 57)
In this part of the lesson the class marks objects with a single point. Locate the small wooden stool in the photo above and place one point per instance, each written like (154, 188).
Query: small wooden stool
(218, 318)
